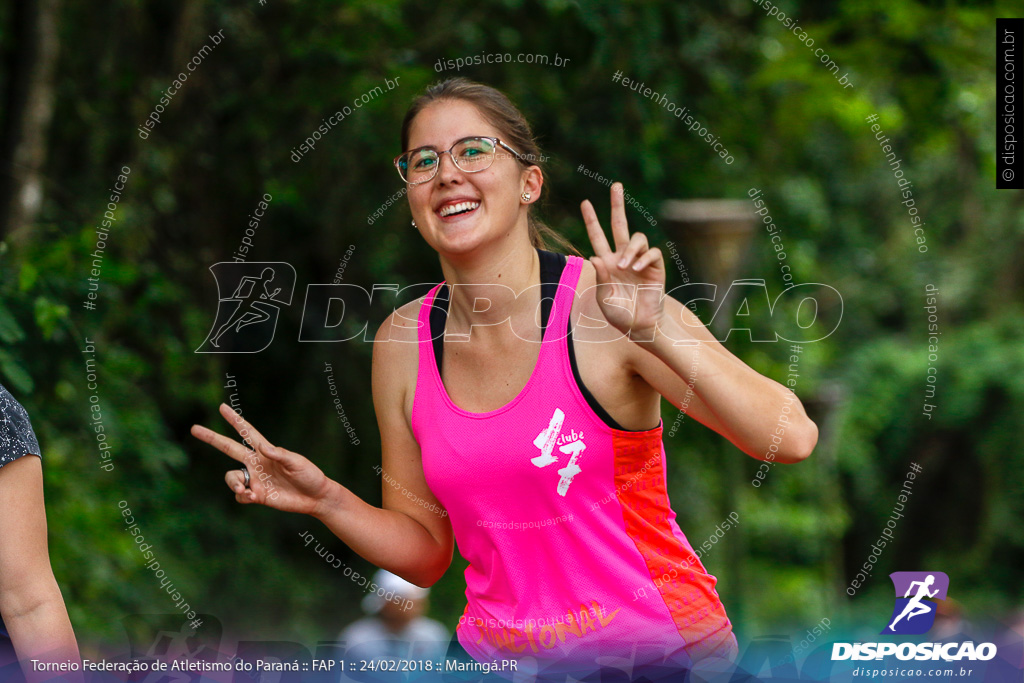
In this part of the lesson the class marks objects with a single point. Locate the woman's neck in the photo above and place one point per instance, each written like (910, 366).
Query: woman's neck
(499, 275)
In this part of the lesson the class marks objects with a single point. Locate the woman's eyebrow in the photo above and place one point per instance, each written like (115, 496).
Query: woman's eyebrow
(413, 149)
(435, 148)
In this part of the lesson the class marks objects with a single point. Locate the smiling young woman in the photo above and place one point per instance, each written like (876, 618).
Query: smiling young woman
(538, 436)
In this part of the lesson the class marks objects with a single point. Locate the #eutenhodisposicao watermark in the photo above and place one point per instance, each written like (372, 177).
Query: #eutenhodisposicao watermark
(693, 124)
(627, 198)
(887, 535)
(151, 563)
(102, 235)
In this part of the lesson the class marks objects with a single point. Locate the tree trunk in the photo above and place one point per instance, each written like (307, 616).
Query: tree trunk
(31, 69)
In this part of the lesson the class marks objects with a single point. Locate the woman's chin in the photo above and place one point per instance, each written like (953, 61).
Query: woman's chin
(461, 237)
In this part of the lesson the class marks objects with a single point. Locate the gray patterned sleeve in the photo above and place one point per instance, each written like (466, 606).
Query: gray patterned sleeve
(16, 435)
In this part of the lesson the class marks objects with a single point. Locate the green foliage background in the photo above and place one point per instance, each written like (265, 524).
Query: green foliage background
(926, 69)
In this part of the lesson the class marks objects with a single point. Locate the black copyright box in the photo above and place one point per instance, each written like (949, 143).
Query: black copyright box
(1009, 84)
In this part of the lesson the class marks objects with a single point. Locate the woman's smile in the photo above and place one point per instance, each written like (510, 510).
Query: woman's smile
(457, 208)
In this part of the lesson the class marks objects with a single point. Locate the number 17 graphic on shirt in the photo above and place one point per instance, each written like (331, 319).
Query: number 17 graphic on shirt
(570, 444)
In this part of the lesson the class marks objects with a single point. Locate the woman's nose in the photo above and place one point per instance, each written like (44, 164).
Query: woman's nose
(446, 173)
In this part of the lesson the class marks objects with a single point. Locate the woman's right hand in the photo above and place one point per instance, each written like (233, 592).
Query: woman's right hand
(279, 478)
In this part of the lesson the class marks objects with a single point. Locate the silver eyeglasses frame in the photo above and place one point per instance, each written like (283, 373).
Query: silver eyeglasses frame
(494, 141)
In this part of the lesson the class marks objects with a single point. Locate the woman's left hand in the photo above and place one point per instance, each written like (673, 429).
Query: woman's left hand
(631, 279)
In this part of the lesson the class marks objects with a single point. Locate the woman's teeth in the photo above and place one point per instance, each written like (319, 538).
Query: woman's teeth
(458, 208)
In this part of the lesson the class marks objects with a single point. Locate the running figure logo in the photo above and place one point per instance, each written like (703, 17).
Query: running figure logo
(571, 444)
(915, 615)
(253, 301)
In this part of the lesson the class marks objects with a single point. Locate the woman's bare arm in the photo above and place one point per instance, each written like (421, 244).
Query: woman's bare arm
(751, 410)
(30, 600)
(411, 536)
(404, 537)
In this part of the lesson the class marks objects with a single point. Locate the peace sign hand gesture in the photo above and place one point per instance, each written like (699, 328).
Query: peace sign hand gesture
(631, 279)
(278, 478)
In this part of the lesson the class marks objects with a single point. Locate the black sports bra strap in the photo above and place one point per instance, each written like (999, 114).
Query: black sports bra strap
(551, 267)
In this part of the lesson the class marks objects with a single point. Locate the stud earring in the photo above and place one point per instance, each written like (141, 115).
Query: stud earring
(526, 196)
(414, 224)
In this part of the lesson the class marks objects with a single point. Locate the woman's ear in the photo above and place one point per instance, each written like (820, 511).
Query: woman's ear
(533, 181)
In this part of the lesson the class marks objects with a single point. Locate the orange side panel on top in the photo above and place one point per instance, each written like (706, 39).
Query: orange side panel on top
(689, 592)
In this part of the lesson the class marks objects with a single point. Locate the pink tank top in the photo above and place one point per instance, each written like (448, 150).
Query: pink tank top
(564, 520)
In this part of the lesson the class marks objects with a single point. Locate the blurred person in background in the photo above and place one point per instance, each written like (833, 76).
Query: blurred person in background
(395, 626)
(34, 622)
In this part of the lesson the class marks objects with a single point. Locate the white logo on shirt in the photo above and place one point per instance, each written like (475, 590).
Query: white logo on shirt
(571, 444)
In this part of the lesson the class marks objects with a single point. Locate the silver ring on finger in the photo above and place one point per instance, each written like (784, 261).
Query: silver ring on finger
(245, 470)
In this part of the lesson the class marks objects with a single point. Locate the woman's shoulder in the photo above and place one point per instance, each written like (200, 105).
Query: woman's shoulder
(396, 360)
(403, 324)
(395, 346)
(17, 438)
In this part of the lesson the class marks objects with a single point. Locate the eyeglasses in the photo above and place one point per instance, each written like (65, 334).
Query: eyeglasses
(471, 155)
